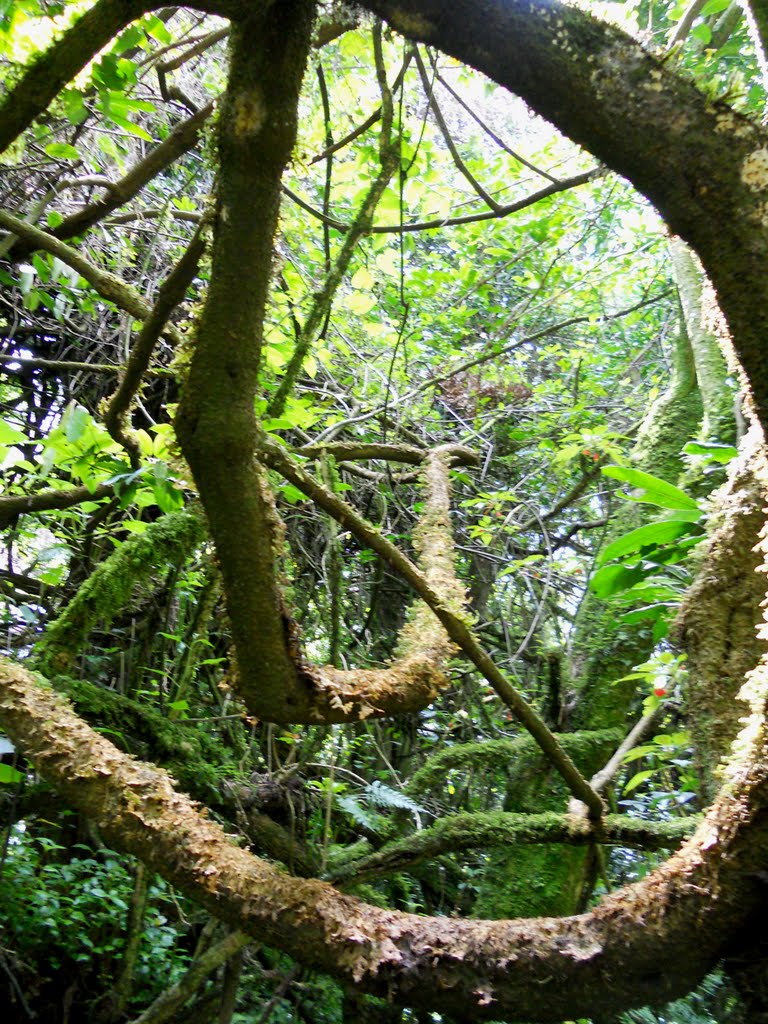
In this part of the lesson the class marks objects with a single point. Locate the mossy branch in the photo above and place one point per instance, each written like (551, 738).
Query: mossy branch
(107, 591)
(170, 294)
(699, 903)
(109, 286)
(484, 830)
(169, 1003)
(51, 71)
(13, 505)
(502, 756)
(197, 761)
(452, 619)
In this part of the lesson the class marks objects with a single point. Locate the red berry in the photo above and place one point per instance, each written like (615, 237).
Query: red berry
(659, 691)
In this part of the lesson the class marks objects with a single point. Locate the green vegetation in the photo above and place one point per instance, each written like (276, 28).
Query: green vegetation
(376, 465)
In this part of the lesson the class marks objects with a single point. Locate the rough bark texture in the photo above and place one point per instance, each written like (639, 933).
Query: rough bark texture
(717, 620)
(644, 944)
(706, 170)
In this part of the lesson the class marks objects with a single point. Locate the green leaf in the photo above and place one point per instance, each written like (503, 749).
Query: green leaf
(9, 776)
(637, 780)
(75, 109)
(168, 497)
(714, 7)
(10, 435)
(76, 419)
(652, 490)
(637, 752)
(360, 302)
(703, 33)
(649, 611)
(720, 453)
(129, 126)
(62, 151)
(644, 536)
(613, 579)
(384, 796)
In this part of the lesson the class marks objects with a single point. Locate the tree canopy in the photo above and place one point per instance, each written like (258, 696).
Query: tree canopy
(383, 396)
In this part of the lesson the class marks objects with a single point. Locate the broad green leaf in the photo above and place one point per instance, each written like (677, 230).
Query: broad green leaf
(644, 536)
(613, 579)
(75, 109)
(134, 526)
(649, 611)
(360, 302)
(10, 435)
(652, 490)
(637, 780)
(158, 30)
(9, 776)
(703, 33)
(76, 419)
(362, 279)
(129, 126)
(721, 453)
(62, 151)
(637, 752)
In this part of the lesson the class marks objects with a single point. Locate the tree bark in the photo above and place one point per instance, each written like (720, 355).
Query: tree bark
(644, 944)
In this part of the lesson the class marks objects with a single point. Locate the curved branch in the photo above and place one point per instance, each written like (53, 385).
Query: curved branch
(647, 943)
(449, 613)
(702, 164)
(501, 756)
(109, 286)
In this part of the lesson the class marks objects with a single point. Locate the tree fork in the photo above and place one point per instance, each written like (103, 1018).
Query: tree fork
(216, 424)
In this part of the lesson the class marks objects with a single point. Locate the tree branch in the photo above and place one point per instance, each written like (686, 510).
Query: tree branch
(453, 620)
(485, 830)
(699, 162)
(109, 286)
(183, 138)
(13, 505)
(652, 941)
(170, 294)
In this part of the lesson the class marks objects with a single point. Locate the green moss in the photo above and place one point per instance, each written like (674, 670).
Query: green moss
(531, 881)
(507, 758)
(110, 587)
(196, 760)
(534, 881)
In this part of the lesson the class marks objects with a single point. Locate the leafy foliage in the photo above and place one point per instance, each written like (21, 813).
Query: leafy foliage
(507, 296)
